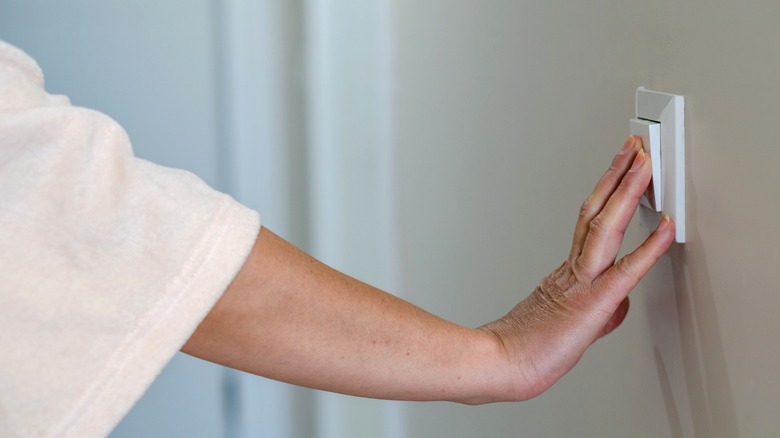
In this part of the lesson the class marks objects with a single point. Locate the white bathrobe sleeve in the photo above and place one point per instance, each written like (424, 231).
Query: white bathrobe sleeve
(108, 263)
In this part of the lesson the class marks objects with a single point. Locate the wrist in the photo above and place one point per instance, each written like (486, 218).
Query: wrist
(496, 378)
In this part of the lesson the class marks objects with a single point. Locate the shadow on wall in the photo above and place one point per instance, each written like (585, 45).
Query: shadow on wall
(712, 404)
(688, 347)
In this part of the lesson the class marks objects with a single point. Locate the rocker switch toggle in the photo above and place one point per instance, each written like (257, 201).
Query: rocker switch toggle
(650, 133)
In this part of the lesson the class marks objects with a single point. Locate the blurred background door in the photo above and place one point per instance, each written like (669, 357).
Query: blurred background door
(212, 87)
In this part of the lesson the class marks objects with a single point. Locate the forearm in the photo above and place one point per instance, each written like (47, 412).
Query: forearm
(289, 317)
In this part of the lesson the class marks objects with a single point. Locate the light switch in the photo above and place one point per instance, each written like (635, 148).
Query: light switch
(661, 116)
(650, 133)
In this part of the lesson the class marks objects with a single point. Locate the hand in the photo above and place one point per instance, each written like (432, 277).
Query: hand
(545, 335)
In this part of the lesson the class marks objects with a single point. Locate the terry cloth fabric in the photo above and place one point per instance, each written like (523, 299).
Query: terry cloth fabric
(108, 263)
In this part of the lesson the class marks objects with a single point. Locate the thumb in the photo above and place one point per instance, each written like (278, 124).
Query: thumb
(624, 275)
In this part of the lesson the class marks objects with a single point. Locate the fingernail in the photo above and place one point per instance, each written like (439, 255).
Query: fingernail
(664, 222)
(639, 160)
(629, 144)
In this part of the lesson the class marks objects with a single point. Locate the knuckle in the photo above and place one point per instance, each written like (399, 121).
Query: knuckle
(587, 209)
(554, 290)
(583, 274)
(561, 279)
(626, 268)
(614, 172)
(599, 226)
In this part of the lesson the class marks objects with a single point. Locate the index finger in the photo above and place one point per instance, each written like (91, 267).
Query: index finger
(608, 227)
(606, 186)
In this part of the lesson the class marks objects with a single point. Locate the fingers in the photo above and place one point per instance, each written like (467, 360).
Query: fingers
(618, 280)
(606, 230)
(604, 189)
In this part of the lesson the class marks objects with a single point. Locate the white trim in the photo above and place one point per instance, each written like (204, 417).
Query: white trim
(352, 172)
(394, 412)
(254, 168)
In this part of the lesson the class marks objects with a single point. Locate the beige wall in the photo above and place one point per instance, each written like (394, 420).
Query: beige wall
(507, 113)
(488, 124)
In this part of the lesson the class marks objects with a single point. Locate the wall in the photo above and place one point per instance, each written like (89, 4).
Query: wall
(507, 113)
(477, 128)
(724, 58)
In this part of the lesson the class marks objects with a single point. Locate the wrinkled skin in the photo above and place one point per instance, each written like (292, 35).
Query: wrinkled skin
(587, 296)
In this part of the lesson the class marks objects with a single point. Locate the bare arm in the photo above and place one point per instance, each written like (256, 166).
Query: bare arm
(289, 317)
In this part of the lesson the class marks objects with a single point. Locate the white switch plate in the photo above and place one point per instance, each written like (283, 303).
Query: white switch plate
(668, 110)
(650, 133)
